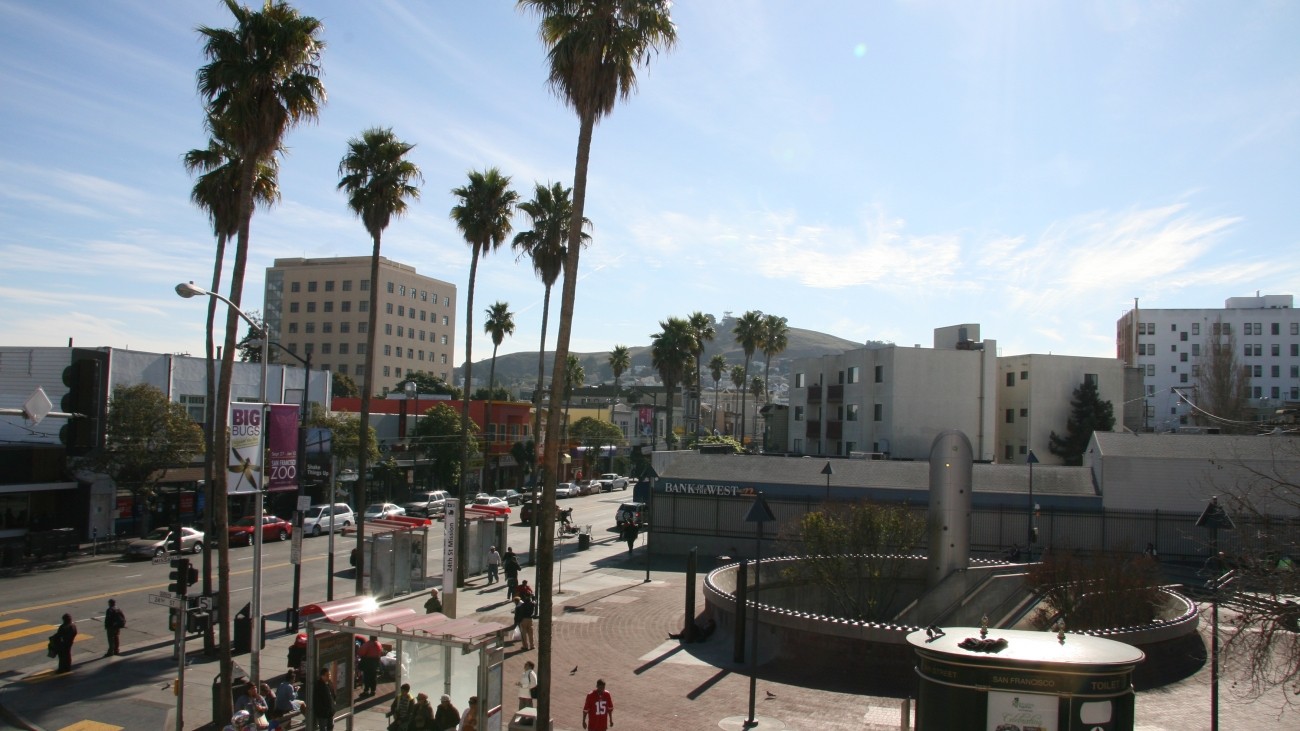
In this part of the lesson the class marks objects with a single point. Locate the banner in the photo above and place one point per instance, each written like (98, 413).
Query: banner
(320, 449)
(244, 463)
(282, 438)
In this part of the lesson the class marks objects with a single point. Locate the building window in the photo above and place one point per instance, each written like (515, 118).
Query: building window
(311, 307)
(443, 340)
(1183, 336)
(852, 412)
(1090, 379)
(799, 380)
(797, 446)
(311, 286)
(1024, 375)
(361, 348)
(387, 373)
(1011, 416)
(1024, 412)
(445, 321)
(1295, 328)
(329, 285)
(798, 413)
(1182, 378)
(310, 327)
(365, 285)
(293, 328)
(388, 308)
(390, 291)
(400, 330)
(1257, 371)
(1023, 449)
(363, 327)
(329, 306)
(1196, 328)
(880, 374)
(363, 306)
(195, 407)
(1182, 357)
(1009, 453)
(1196, 373)
(878, 412)
(295, 286)
(850, 447)
(401, 310)
(345, 306)
(1256, 392)
(1275, 371)
(1151, 369)
(443, 359)
(388, 328)
(388, 350)
(1275, 392)
(424, 295)
(1275, 349)
(343, 348)
(1011, 377)
(327, 327)
(446, 302)
(401, 291)
(293, 307)
(325, 348)
(1295, 350)
(1275, 328)
(347, 285)
(1295, 371)
(1196, 349)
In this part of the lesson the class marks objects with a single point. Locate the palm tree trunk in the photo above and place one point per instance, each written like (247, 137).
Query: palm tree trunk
(488, 433)
(546, 551)
(537, 423)
(744, 397)
(464, 415)
(363, 439)
(209, 426)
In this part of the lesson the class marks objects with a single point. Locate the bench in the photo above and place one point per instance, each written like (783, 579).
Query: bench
(286, 720)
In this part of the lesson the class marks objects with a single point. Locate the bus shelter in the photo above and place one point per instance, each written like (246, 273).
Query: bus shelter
(396, 549)
(434, 653)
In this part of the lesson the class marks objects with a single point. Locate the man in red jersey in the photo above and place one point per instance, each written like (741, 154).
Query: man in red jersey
(598, 711)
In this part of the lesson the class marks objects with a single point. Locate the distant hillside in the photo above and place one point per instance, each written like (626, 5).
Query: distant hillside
(521, 368)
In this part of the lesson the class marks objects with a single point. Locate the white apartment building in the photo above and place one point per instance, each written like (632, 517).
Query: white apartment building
(321, 306)
(1034, 393)
(1167, 344)
(894, 400)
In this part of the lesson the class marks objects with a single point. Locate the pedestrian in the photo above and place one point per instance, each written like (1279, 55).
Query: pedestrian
(524, 621)
(61, 643)
(368, 658)
(528, 682)
(598, 711)
(433, 603)
(524, 591)
(1150, 552)
(630, 531)
(422, 718)
(402, 710)
(469, 721)
(446, 717)
(253, 702)
(114, 621)
(511, 565)
(286, 695)
(322, 701)
(493, 564)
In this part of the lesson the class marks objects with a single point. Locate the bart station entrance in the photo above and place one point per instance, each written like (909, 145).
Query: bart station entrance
(1017, 680)
(434, 653)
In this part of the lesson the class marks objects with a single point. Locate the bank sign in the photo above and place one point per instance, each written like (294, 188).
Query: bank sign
(716, 489)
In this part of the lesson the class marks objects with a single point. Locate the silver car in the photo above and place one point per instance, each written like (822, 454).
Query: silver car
(159, 541)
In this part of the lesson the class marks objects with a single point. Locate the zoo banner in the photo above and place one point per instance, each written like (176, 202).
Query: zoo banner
(246, 449)
(282, 437)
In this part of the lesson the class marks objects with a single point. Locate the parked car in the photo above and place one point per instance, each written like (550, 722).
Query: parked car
(429, 504)
(591, 487)
(379, 511)
(611, 481)
(317, 518)
(491, 501)
(634, 512)
(158, 542)
(567, 489)
(512, 497)
(273, 529)
(526, 511)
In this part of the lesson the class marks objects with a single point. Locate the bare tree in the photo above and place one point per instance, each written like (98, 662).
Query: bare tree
(1222, 384)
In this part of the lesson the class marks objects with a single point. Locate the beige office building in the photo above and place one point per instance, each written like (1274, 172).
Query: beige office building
(321, 306)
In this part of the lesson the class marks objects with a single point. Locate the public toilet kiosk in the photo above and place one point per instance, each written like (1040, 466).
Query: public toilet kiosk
(434, 653)
(1016, 680)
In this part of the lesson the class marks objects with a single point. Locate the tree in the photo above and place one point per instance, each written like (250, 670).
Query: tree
(499, 323)
(261, 78)
(574, 377)
(546, 244)
(671, 353)
(438, 436)
(427, 383)
(594, 48)
(717, 366)
(378, 180)
(250, 346)
(620, 359)
(590, 432)
(703, 331)
(1088, 413)
(144, 435)
(748, 332)
(344, 386)
(857, 554)
(497, 393)
(776, 337)
(715, 440)
(346, 431)
(1100, 590)
(738, 383)
(1223, 385)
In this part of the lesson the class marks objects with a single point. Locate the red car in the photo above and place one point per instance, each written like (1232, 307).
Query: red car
(273, 529)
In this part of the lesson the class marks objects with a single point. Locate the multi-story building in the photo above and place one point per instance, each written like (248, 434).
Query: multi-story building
(894, 401)
(321, 306)
(1169, 344)
(1034, 393)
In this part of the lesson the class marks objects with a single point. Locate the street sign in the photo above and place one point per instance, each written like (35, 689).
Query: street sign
(295, 550)
(205, 602)
(1214, 517)
(304, 502)
(162, 558)
(165, 600)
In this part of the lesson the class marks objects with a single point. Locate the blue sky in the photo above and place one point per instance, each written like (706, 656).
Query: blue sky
(872, 170)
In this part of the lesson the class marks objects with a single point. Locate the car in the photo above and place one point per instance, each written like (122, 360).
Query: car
(567, 489)
(429, 504)
(591, 487)
(491, 501)
(317, 519)
(611, 481)
(526, 510)
(158, 542)
(273, 529)
(634, 512)
(379, 511)
(512, 497)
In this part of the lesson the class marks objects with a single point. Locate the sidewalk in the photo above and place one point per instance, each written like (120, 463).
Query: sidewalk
(608, 623)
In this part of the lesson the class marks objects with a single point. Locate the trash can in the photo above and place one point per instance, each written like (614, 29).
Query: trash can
(243, 640)
(525, 719)
(584, 538)
(238, 679)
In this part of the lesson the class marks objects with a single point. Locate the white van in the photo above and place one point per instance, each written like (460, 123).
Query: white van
(317, 518)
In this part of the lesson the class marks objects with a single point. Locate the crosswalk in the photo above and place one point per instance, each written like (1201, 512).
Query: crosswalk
(16, 634)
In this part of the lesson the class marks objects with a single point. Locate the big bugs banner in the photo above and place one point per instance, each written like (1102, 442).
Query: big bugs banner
(247, 447)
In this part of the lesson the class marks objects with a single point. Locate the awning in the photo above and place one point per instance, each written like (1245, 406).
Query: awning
(340, 610)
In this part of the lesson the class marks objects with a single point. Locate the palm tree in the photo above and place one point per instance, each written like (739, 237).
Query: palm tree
(378, 180)
(672, 354)
(550, 211)
(574, 376)
(260, 79)
(738, 383)
(483, 217)
(499, 323)
(217, 191)
(717, 366)
(620, 359)
(594, 48)
(776, 337)
(702, 328)
(748, 332)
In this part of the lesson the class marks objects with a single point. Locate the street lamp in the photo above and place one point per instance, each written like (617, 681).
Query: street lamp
(350, 477)
(1031, 536)
(828, 471)
(188, 290)
(759, 513)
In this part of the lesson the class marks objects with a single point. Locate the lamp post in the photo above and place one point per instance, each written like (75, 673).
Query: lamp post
(1214, 518)
(759, 513)
(350, 477)
(188, 290)
(1031, 536)
(828, 471)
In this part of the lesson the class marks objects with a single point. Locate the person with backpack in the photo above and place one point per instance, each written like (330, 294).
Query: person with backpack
(114, 621)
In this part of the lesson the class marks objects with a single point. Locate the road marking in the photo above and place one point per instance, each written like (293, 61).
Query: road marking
(91, 726)
(38, 647)
(11, 622)
(27, 631)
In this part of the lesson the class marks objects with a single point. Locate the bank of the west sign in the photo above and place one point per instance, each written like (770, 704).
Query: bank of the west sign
(704, 488)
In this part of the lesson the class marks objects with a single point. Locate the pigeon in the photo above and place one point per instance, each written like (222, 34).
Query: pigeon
(770, 694)
(574, 670)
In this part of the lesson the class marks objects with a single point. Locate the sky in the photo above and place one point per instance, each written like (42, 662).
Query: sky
(871, 170)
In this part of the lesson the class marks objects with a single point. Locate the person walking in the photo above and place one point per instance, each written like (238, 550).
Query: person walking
(368, 658)
(528, 683)
(402, 710)
(493, 564)
(433, 603)
(510, 563)
(524, 621)
(446, 717)
(114, 621)
(598, 711)
(322, 701)
(61, 643)
(630, 531)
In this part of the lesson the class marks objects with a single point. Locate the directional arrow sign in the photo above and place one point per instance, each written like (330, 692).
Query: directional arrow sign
(165, 600)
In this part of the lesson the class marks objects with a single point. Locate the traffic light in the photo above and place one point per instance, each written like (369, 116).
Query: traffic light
(180, 576)
(85, 379)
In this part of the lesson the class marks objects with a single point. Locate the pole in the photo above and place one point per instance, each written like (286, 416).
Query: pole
(753, 649)
(1214, 631)
(1029, 529)
(302, 476)
(180, 660)
(255, 652)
